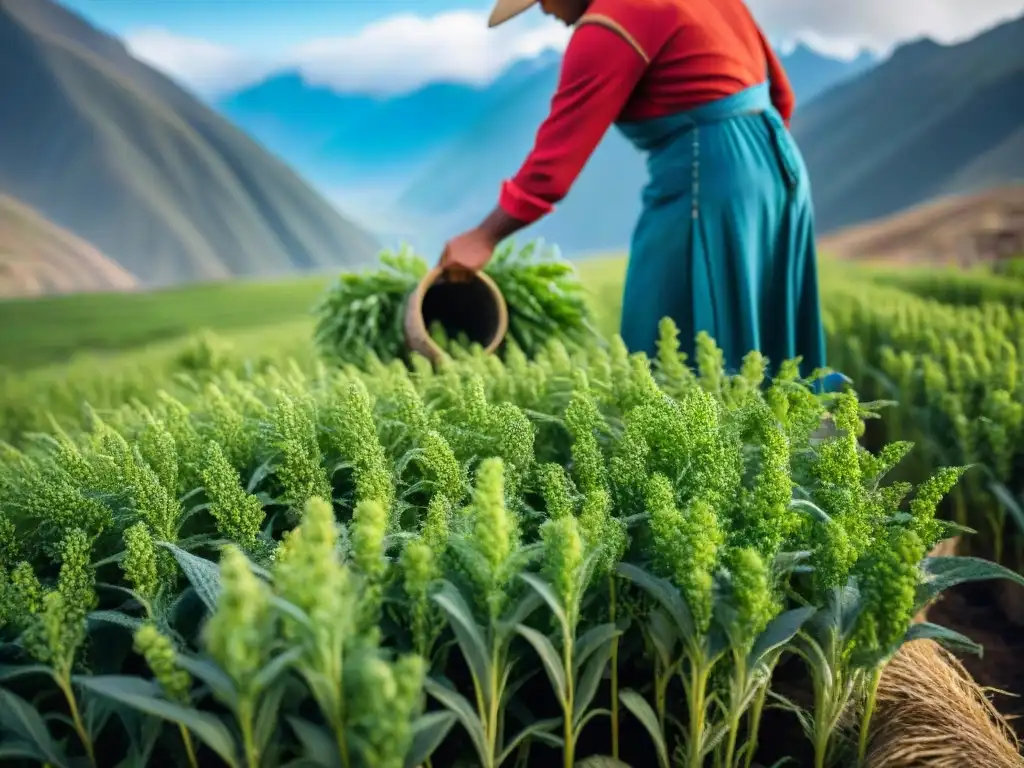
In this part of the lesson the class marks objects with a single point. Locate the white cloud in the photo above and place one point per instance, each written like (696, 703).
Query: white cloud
(402, 52)
(206, 67)
(399, 53)
(841, 26)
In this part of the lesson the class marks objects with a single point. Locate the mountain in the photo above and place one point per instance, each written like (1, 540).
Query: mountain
(107, 148)
(38, 258)
(811, 73)
(961, 230)
(365, 151)
(461, 186)
(354, 141)
(932, 120)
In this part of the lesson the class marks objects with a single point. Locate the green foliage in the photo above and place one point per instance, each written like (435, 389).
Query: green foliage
(371, 566)
(364, 313)
(955, 375)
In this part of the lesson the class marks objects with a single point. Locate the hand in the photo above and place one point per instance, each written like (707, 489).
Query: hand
(468, 253)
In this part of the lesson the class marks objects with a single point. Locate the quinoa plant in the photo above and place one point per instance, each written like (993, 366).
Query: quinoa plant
(338, 565)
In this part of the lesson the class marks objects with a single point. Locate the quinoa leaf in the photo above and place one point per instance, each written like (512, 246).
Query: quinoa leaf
(779, 631)
(543, 589)
(21, 719)
(944, 572)
(460, 707)
(220, 684)
(429, 731)
(642, 711)
(468, 633)
(549, 657)
(592, 640)
(12, 671)
(1005, 497)
(318, 746)
(202, 574)
(664, 636)
(144, 696)
(666, 594)
(116, 617)
(538, 730)
(949, 638)
(589, 681)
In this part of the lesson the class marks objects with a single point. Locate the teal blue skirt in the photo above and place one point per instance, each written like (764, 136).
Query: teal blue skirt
(725, 242)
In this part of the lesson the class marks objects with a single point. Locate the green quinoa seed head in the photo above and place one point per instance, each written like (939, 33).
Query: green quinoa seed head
(25, 590)
(10, 547)
(239, 515)
(756, 604)
(563, 558)
(77, 580)
(237, 635)
(442, 467)
(686, 545)
(556, 491)
(158, 651)
(140, 561)
(308, 573)
(888, 576)
(369, 528)
(419, 566)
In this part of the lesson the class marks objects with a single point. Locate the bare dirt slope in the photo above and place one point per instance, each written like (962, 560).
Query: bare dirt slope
(38, 258)
(961, 229)
(115, 152)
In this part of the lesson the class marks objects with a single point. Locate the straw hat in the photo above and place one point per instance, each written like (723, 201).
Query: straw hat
(506, 9)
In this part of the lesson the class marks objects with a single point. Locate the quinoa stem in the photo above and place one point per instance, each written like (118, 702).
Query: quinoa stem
(869, 710)
(614, 672)
(190, 750)
(76, 717)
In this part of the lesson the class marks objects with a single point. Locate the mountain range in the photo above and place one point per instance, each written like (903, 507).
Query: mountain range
(929, 120)
(877, 136)
(460, 187)
(404, 158)
(933, 120)
(116, 153)
(151, 186)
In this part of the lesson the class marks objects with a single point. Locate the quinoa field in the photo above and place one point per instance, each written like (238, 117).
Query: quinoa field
(220, 546)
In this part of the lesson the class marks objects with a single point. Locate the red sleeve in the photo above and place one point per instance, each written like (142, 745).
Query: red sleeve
(600, 69)
(782, 92)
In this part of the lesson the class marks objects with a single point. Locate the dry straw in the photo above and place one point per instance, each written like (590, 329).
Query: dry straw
(932, 714)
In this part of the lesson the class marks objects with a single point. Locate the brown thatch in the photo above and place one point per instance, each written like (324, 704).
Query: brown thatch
(930, 713)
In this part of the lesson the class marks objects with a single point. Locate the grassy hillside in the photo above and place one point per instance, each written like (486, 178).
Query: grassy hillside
(932, 120)
(113, 151)
(38, 258)
(54, 330)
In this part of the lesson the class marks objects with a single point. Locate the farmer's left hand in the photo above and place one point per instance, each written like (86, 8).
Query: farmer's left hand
(469, 252)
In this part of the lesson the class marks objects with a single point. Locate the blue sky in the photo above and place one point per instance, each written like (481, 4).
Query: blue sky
(216, 46)
(254, 24)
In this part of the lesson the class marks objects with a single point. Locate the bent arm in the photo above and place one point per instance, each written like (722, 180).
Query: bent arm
(600, 69)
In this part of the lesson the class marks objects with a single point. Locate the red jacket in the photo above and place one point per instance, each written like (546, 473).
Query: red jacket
(637, 59)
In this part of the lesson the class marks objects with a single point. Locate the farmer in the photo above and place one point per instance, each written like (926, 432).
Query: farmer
(725, 242)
